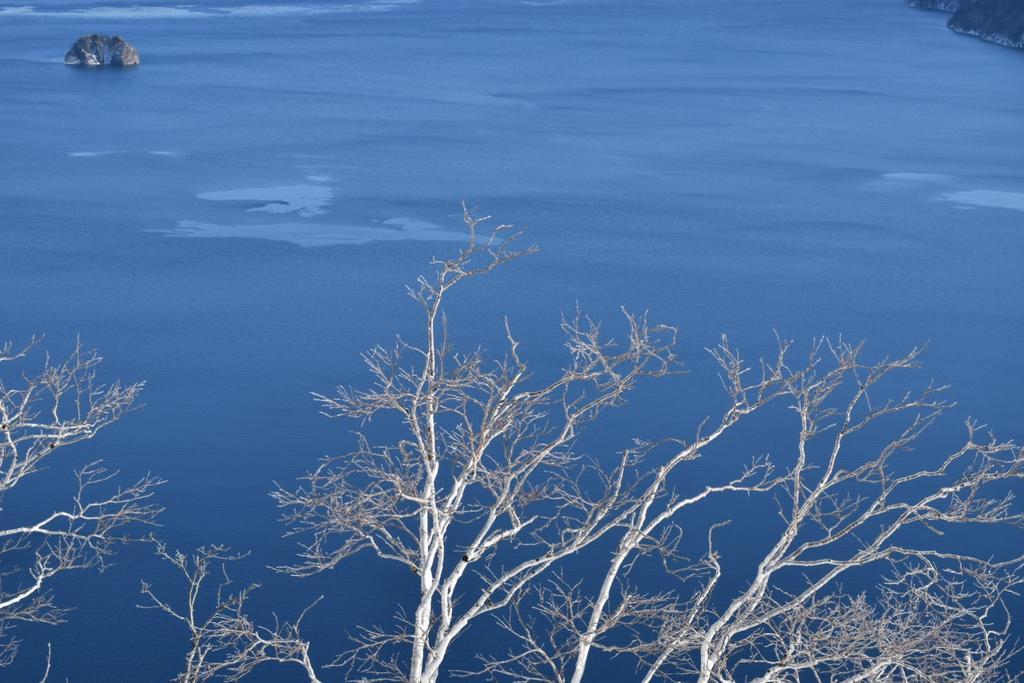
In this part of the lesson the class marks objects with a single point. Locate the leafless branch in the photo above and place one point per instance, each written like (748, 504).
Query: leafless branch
(225, 643)
(59, 405)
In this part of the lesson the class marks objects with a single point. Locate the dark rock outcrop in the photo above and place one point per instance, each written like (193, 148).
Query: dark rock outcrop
(98, 50)
(997, 21)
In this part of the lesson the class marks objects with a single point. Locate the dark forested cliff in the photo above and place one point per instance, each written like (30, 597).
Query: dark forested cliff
(997, 21)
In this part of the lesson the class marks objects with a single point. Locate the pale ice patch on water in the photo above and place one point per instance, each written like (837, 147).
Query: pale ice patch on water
(964, 199)
(276, 10)
(996, 199)
(93, 153)
(912, 177)
(190, 11)
(305, 200)
(901, 181)
(310, 234)
(89, 154)
(103, 12)
(410, 224)
(319, 178)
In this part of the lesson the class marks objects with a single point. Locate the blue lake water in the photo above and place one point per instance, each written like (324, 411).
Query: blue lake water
(235, 220)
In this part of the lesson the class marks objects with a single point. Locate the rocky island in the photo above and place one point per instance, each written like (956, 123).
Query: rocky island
(997, 21)
(100, 50)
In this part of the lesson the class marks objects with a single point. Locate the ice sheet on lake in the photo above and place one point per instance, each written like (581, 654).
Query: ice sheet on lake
(911, 177)
(963, 199)
(902, 181)
(89, 154)
(305, 200)
(191, 11)
(98, 153)
(310, 234)
(996, 199)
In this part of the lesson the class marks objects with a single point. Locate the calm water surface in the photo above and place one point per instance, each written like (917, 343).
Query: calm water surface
(235, 220)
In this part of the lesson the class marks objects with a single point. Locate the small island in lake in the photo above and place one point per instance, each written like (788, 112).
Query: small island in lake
(100, 50)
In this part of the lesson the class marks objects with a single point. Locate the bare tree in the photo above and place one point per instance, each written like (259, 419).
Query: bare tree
(487, 495)
(224, 641)
(486, 480)
(41, 412)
